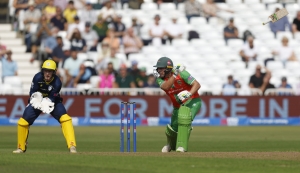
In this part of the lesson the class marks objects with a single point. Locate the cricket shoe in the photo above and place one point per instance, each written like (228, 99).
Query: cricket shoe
(180, 149)
(73, 149)
(18, 151)
(166, 149)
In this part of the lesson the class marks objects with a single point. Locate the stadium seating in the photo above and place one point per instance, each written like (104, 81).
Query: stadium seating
(209, 57)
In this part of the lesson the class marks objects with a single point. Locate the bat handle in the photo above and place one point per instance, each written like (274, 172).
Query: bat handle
(266, 22)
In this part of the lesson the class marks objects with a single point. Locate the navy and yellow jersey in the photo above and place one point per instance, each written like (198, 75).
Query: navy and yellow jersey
(48, 89)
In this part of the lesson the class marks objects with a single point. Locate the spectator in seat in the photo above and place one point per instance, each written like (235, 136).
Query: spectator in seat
(114, 42)
(50, 42)
(249, 52)
(89, 14)
(71, 67)
(131, 42)
(134, 70)
(280, 25)
(193, 8)
(118, 27)
(31, 19)
(80, 4)
(136, 25)
(111, 69)
(41, 4)
(296, 23)
(151, 83)
(77, 42)
(230, 31)
(174, 30)
(101, 27)
(106, 79)
(210, 9)
(43, 32)
(83, 76)
(50, 10)
(31, 16)
(91, 38)
(229, 88)
(59, 21)
(284, 52)
(58, 53)
(266, 83)
(116, 61)
(104, 53)
(124, 80)
(157, 31)
(76, 25)
(256, 80)
(284, 85)
(107, 12)
(21, 5)
(9, 67)
(70, 12)
(142, 78)
(62, 4)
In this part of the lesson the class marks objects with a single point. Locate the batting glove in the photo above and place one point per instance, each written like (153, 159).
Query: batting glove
(177, 69)
(184, 95)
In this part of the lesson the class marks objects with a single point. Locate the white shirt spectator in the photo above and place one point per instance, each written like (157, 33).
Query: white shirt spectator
(90, 38)
(30, 17)
(284, 53)
(157, 30)
(250, 52)
(89, 16)
(117, 62)
(105, 12)
(174, 29)
(80, 26)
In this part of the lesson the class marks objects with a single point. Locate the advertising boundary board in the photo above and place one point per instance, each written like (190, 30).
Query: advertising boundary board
(154, 121)
(268, 107)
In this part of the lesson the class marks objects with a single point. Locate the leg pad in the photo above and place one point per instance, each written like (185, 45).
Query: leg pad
(184, 127)
(171, 137)
(23, 129)
(68, 130)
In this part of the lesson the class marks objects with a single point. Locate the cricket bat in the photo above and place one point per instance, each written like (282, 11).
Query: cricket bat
(277, 16)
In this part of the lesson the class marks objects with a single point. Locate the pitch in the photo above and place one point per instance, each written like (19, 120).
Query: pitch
(212, 149)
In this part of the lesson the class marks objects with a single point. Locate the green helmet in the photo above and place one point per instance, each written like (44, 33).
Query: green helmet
(164, 62)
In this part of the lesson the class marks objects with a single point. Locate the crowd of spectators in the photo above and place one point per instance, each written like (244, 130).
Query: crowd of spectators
(103, 32)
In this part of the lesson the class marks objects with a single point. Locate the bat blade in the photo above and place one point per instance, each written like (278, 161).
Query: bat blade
(277, 15)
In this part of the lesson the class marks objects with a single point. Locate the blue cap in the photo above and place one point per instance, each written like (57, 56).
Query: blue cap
(134, 62)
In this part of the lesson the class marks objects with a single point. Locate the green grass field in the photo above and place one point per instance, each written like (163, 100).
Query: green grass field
(211, 149)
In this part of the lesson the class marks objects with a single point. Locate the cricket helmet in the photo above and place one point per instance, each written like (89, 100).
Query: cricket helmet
(49, 64)
(164, 62)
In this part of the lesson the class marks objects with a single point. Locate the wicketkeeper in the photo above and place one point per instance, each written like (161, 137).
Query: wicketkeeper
(182, 88)
(45, 97)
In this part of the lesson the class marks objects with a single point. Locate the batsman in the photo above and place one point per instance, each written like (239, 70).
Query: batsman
(45, 97)
(182, 88)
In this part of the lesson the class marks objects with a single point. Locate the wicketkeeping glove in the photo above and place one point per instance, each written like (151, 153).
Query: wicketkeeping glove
(177, 69)
(184, 95)
(36, 99)
(47, 105)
